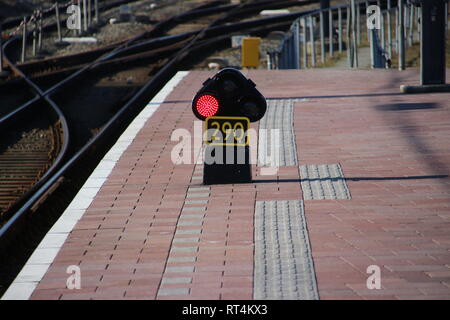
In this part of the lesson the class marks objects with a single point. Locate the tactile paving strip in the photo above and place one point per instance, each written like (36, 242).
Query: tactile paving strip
(283, 263)
(187, 237)
(323, 182)
(279, 116)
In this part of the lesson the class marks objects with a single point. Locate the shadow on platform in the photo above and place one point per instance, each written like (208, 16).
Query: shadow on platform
(441, 176)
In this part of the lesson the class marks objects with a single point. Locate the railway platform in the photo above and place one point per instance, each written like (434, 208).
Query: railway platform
(359, 207)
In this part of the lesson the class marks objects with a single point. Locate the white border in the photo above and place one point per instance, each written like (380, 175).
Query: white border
(44, 255)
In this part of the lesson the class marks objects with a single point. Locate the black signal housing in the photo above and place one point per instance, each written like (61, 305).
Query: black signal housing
(236, 95)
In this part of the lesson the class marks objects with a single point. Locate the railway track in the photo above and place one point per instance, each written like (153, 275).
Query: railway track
(152, 51)
(12, 24)
(23, 163)
(19, 180)
(205, 13)
(64, 143)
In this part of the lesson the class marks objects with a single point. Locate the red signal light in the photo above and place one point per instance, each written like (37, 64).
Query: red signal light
(207, 105)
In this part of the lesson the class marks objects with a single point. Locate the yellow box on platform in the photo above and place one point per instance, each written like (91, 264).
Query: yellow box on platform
(250, 52)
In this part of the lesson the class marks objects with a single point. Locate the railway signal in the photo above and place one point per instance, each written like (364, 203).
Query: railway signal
(229, 93)
(228, 102)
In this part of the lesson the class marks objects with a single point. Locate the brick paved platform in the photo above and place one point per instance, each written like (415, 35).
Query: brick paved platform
(152, 231)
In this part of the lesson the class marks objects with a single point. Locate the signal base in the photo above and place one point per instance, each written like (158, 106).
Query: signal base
(224, 172)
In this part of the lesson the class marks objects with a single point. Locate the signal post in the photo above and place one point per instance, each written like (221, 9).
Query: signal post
(227, 103)
(432, 48)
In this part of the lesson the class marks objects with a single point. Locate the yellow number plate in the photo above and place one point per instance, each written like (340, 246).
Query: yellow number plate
(227, 131)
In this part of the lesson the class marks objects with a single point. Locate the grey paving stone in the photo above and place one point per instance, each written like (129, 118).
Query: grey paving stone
(179, 269)
(196, 201)
(191, 231)
(186, 223)
(279, 116)
(177, 280)
(284, 267)
(173, 291)
(197, 195)
(183, 249)
(190, 209)
(185, 240)
(181, 259)
(191, 216)
(323, 182)
(198, 189)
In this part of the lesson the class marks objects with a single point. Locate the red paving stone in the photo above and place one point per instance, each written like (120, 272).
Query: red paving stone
(396, 164)
(391, 221)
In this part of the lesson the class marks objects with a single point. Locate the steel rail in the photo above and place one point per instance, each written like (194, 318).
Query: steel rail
(106, 5)
(106, 55)
(65, 127)
(41, 185)
(138, 100)
(92, 54)
(157, 30)
(46, 185)
(134, 49)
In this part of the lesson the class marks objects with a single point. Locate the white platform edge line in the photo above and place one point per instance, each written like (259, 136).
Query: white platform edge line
(37, 265)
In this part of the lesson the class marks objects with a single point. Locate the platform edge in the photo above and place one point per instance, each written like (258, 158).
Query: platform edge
(37, 265)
